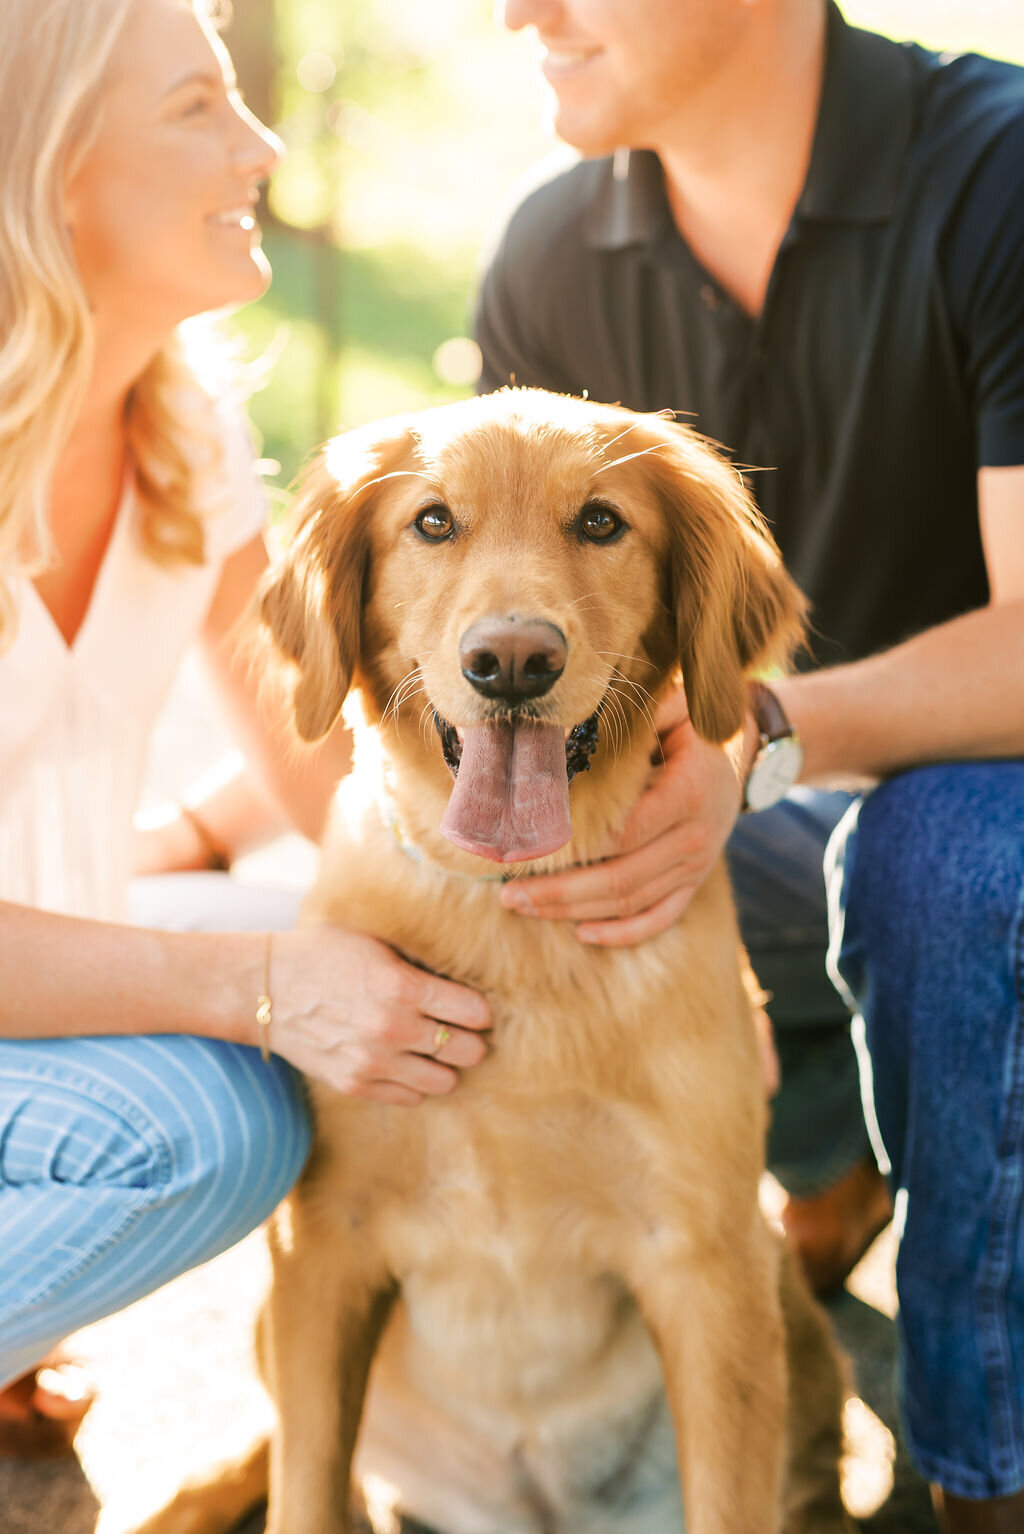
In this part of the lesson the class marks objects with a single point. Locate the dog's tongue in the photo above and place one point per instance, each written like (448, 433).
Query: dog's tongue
(511, 797)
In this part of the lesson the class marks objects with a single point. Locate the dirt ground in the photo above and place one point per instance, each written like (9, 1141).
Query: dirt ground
(176, 1374)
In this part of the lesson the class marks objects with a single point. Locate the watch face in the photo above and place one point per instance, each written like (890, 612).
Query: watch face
(776, 768)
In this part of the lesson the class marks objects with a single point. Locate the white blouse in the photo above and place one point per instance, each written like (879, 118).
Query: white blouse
(75, 720)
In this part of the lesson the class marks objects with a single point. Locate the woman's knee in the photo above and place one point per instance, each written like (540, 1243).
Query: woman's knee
(62, 1125)
(189, 1119)
(236, 1129)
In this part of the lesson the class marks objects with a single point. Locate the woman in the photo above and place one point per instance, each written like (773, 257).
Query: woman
(140, 1131)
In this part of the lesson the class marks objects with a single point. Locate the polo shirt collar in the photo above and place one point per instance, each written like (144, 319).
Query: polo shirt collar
(860, 146)
(864, 127)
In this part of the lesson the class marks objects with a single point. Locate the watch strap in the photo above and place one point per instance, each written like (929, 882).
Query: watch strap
(774, 732)
(769, 714)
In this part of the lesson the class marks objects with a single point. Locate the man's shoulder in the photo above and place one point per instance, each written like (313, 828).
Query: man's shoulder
(551, 216)
(969, 113)
(970, 99)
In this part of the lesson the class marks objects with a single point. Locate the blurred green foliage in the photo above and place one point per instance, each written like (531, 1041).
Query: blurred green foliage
(395, 117)
(407, 124)
(363, 349)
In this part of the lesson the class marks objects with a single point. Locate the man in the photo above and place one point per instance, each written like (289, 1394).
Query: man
(810, 240)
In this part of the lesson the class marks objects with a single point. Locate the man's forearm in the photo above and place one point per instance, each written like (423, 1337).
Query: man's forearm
(954, 692)
(61, 977)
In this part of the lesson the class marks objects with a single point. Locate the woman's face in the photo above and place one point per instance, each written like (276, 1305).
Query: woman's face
(162, 209)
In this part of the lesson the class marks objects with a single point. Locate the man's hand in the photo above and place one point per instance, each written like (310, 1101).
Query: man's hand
(668, 846)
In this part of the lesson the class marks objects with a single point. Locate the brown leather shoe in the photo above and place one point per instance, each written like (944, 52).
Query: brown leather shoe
(998, 1515)
(831, 1231)
(41, 1412)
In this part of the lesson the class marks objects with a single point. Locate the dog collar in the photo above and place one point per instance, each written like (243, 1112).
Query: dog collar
(416, 853)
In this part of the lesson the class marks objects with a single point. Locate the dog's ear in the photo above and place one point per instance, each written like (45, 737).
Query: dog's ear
(311, 602)
(735, 608)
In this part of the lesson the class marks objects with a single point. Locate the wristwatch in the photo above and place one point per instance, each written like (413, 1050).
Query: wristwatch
(780, 756)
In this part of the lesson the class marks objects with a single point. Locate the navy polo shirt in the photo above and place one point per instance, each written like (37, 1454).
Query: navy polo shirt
(887, 364)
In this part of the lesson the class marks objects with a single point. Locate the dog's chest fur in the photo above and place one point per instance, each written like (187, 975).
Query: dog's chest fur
(502, 1208)
(489, 1193)
(510, 1211)
(516, 1365)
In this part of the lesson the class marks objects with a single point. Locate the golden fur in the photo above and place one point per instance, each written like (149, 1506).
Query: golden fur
(566, 1253)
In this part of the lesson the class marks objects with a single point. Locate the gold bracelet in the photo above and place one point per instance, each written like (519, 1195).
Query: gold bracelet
(264, 1005)
(217, 858)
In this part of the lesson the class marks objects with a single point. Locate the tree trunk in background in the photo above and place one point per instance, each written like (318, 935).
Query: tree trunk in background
(252, 39)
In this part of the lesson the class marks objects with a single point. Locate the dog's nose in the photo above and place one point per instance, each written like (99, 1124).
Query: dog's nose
(513, 658)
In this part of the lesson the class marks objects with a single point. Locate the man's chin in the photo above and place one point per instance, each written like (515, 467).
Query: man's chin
(591, 138)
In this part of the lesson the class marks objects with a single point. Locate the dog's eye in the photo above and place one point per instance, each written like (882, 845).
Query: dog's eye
(598, 523)
(435, 523)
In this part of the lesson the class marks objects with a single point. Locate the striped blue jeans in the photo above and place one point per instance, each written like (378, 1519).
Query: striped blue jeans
(125, 1161)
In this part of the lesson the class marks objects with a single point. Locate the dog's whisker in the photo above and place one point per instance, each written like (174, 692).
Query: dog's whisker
(398, 696)
(621, 726)
(425, 721)
(623, 699)
(637, 686)
(641, 708)
(614, 716)
(642, 452)
(639, 659)
(406, 698)
(612, 441)
(615, 725)
(408, 687)
(620, 676)
(617, 718)
(399, 474)
(412, 684)
(637, 698)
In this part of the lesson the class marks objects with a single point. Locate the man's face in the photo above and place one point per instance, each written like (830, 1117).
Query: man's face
(626, 72)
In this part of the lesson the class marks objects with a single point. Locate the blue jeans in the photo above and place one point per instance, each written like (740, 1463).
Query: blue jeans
(929, 943)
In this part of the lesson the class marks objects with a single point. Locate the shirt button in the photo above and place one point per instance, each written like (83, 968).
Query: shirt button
(709, 297)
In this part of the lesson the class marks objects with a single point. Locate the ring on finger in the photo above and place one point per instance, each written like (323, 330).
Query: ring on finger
(442, 1034)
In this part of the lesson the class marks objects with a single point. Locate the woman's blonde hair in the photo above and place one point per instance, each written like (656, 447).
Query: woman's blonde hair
(54, 56)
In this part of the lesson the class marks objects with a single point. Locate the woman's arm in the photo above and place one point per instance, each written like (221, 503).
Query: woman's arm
(299, 781)
(274, 785)
(346, 1008)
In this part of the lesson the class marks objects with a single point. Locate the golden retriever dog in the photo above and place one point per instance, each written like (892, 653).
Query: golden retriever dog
(574, 1304)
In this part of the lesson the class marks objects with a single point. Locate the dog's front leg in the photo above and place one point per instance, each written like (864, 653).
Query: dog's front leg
(716, 1320)
(325, 1315)
(814, 1503)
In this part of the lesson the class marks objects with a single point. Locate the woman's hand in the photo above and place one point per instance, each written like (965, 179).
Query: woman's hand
(164, 841)
(226, 814)
(351, 1012)
(668, 846)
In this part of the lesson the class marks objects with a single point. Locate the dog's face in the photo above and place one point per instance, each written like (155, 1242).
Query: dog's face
(531, 569)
